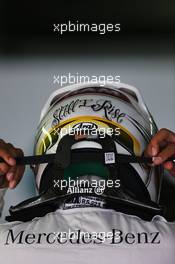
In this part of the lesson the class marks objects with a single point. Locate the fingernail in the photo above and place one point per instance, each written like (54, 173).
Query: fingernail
(11, 161)
(157, 160)
(12, 184)
(154, 151)
(10, 176)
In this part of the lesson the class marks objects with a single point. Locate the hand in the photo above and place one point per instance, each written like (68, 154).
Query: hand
(162, 147)
(10, 173)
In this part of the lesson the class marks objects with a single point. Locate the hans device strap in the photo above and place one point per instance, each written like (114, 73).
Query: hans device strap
(104, 157)
(131, 198)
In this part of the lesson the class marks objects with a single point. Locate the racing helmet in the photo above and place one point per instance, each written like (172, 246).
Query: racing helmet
(116, 110)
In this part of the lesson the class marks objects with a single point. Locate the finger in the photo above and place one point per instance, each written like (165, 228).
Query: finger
(16, 172)
(168, 165)
(165, 154)
(7, 157)
(4, 168)
(9, 146)
(19, 173)
(172, 171)
(15, 152)
(11, 173)
(153, 147)
(162, 136)
(151, 150)
(17, 177)
(161, 139)
(19, 152)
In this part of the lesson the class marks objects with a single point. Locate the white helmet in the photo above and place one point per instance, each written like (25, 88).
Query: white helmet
(114, 108)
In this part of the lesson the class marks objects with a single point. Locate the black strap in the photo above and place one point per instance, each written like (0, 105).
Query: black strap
(49, 158)
(65, 155)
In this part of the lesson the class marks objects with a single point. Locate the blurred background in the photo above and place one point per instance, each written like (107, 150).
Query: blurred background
(142, 53)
